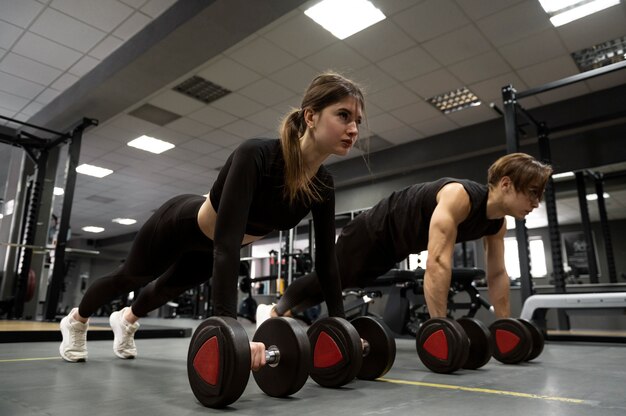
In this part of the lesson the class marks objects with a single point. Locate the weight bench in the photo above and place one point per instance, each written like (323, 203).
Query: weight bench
(536, 306)
(404, 316)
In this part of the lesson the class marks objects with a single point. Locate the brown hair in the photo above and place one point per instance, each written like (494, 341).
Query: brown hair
(325, 89)
(524, 171)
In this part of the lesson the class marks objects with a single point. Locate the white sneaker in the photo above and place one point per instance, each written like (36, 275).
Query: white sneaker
(123, 335)
(263, 313)
(74, 345)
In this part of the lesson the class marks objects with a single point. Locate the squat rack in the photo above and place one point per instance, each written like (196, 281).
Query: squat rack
(512, 109)
(38, 149)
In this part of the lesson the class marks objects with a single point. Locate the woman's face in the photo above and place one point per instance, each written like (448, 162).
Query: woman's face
(336, 128)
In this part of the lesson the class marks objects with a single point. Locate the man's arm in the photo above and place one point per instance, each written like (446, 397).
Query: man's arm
(497, 277)
(453, 206)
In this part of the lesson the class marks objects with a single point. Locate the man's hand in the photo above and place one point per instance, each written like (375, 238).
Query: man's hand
(257, 355)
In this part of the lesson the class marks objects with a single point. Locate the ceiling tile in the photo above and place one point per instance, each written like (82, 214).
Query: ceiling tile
(480, 67)
(201, 147)
(384, 122)
(491, 89)
(296, 77)
(337, 57)
(12, 102)
(169, 135)
(188, 126)
(458, 45)
(400, 135)
(262, 56)
(84, 65)
(106, 47)
(45, 51)
(266, 91)
(548, 71)
(380, 41)
(66, 30)
(48, 95)
(32, 108)
(267, 118)
(435, 83)
(534, 49)
(154, 8)
(473, 115)
(134, 3)
(229, 74)
(416, 112)
(131, 26)
(212, 116)
(477, 9)
(8, 34)
(238, 105)
(430, 19)
(605, 25)
(18, 86)
(209, 162)
(176, 102)
(21, 13)
(393, 97)
(436, 125)
(222, 138)
(64, 81)
(515, 23)
(244, 129)
(372, 79)
(409, 64)
(391, 7)
(29, 69)
(300, 36)
(105, 15)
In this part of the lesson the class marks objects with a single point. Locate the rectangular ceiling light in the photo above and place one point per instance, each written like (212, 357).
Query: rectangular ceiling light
(454, 100)
(564, 175)
(602, 54)
(594, 197)
(150, 144)
(566, 11)
(58, 191)
(344, 18)
(92, 170)
(92, 229)
(124, 221)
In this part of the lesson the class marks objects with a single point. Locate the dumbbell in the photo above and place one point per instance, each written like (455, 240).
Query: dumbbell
(445, 345)
(338, 355)
(218, 361)
(516, 340)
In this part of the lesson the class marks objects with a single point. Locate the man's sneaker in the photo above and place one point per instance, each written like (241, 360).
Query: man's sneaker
(263, 313)
(74, 345)
(123, 335)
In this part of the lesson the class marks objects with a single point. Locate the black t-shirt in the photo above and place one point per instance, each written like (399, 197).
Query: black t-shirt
(401, 221)
(248, 196)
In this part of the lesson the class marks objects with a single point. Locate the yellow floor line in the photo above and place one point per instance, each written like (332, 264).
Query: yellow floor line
(15, 360)
(487, 391)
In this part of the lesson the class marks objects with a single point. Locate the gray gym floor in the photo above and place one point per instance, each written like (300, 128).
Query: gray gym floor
(567, 379)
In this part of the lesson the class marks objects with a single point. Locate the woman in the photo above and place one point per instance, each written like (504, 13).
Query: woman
(265, 185)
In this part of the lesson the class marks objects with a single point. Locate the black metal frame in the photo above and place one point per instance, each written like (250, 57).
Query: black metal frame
(37, 149)
(510, 99)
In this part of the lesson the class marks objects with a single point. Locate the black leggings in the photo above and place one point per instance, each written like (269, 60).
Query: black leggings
(170, 255)
(361, 259)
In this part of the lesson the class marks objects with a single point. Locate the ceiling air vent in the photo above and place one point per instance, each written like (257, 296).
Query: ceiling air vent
(455, 100)
(154, 114)
(201, 89)
(600, 55)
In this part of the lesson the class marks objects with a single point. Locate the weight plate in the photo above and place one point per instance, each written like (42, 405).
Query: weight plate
(442, 345)
(511, 341)
(382, 347)
(292, 370)
(480, 349)
(537, 337)
(218, 361)
(335, 350)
